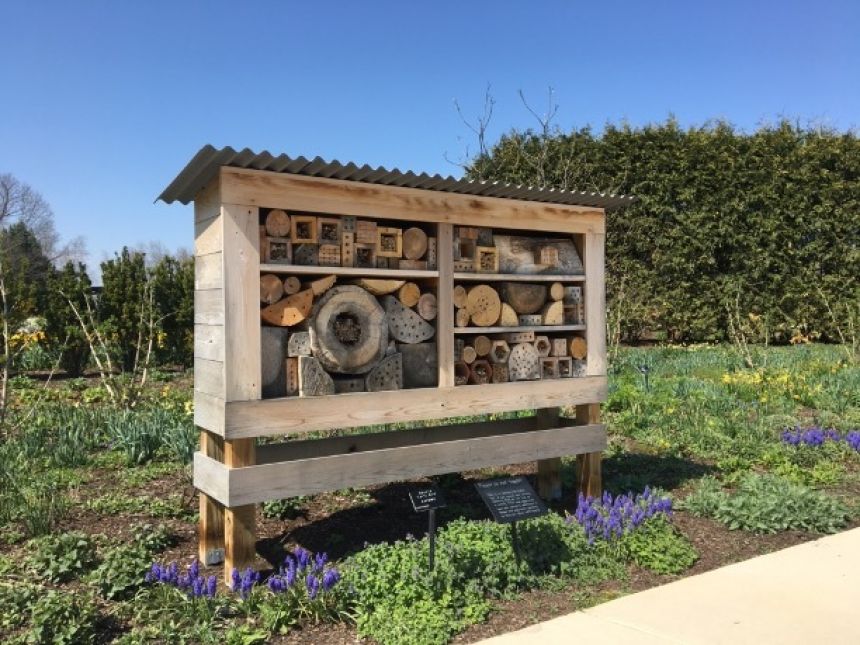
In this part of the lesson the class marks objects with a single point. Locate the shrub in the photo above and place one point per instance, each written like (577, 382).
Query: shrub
(768, 504)
(283, 509)
(60, 558)
(658, 546)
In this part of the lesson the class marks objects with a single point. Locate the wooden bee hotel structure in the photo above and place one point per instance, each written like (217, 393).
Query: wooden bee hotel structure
(331, 297)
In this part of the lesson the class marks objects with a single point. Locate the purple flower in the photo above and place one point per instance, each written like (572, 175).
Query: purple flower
(330, 579)
(611, 517)
(303, 558)
(211, 586)
(319, 562)
(312, 584)
(853, 439)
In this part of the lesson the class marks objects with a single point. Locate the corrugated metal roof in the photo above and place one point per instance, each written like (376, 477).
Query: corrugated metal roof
(203, 167)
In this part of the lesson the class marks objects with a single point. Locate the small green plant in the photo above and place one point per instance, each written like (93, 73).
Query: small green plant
(136, 434)
(16, 601)
(61, 617)
(768, 504)
(284, 509)
(124, 567)
(658, 546)
(60, 558)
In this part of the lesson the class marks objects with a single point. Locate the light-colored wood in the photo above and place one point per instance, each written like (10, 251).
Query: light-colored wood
(301, 415)
(409, 294)
(379, 287)
(240, 522)
(553, 313)
(588, 466)
(486, 259)
(382, 274)
(210, 534)
(302, 193)
(468, 355)
(281, 480)
(445, 305)
(292, 285)
(291, 310)
(320, 285)
(389, 242)
(500, 351)
(500, 373)
(556, 291)
(508, 317)
(209, 342)
(459, 296)
(543, 346)
(502, 330)
(207, 203)
(482, 345)
(595, 305)
(578, 347)
(303, 229)
(549, 470)
(427, 306)
(209, 377)
(480, 372)
(414, 243)
(461, 318)
(242, 320)
(271, 288)
(208, 271)
(484, 305)
(537, 255)
(516, 277)
(365, 232)
(208, 235)
(209, 307)
(559, 347)
(524, 298)
(524, 363)
(347, 249)
(350, 330)
(278, 223)
(405, 325)
(209, 412)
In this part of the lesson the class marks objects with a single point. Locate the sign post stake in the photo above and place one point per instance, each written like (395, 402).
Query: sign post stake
(431, 531)
(428, 498)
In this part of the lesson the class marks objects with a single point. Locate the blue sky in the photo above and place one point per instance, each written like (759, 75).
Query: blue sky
(103, 102)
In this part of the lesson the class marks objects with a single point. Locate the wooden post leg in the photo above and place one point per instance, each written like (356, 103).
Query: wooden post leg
(211, 527)
(240, 522)
(549, 470)
(588, 465)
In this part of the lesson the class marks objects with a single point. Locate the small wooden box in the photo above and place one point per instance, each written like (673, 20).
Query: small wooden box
(565, 367)
(279, 250)
(365, 232)
(487, 259)
(389, 242)
(559, 347)
(306, 255)
(548, 256)
(304, 229)
(549, 367)
(365, 255)
(328, 230)
(329, 255)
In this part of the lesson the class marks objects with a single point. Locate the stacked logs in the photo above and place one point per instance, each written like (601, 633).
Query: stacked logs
(323, 338)
(479, 250)
(311, 240)
(517, 304)
(517, 356)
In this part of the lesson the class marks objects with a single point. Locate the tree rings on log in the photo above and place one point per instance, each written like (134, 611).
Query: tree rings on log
(525, 298)
(379, 287)
(484, 305)
(349, 330)
(468, 355)
(290, 311)
(458, 295)
(427, 308)
(578, 347)
(409, 294)
(292, 285)
(278, 223)
(387, 375)
(414, 243)
(461, 317)
(524, 363)
(404, 324)
(271, 288)
(482, 345)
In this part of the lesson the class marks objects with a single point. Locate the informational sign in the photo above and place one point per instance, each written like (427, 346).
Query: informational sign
(511, 499)
(426, 498)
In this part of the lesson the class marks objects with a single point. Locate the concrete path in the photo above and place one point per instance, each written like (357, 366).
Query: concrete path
(807, 594)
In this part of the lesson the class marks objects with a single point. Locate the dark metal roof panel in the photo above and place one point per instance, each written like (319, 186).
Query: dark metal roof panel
(205, 164)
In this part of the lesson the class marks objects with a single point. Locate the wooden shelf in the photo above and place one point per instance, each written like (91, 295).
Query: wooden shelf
(394, 274)
(516, 277)
(500, 330)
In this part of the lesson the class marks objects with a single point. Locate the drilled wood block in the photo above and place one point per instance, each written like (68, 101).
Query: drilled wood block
(306, 255)
(485, 237)
(348, 385)
(549, 367)
(411, 265)
(520, 337)
(464, 266)
(299, 344)
(365, 255)
(313, 379)
(559, 347)
(524, 363)
(467, 233)
(292, 376)
(328, 230)
(304, 229)
(529, 320)
(329, 255)
(389, 242)
(487, 259)
(572, 295)
(565, 367)
(543, 346)
(579, 368)
(405, 325)
(549, 256)
(347, 224)
(500, 373)
(431, 253)
(365, 232)
(279, 250)
(347, 248)
(387, 375)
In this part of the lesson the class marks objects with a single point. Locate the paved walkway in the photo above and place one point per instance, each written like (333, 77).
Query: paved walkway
(807, 594)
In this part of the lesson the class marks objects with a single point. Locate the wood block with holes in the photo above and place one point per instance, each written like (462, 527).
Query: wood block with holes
(328, 230)
(486, 259)
(549, 367)
(464, 266)
(304, 229)
(306, 255)
(431, 253)
(572, 295)
(499, 352)
(347, 224)
(329, 255)
(365, 232)
(499, 373)
(524, 363)
(365, 255)
(404, 325)
(348, 385)
(292, 376)
(578, 369)
(467, 233)
(387, 375)
(529, 320)
(549, 256)
(520, 337)
(279, 250)
(299, 344)
(389, 242)
(382, 263)
(565, 366)
(347, 248)
(559, 347)
(313, 379)
(412, 265)
(542, 345)
(459, 346)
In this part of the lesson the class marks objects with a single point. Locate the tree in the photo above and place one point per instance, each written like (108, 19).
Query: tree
(121, 305)
(71, 283)
(173, 286)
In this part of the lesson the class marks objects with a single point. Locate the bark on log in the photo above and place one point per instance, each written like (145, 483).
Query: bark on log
(278, 223)
(271, 288)
(292, 285)
(409, 294)
(484, 305)
(404, 324)
(427, 306)
(290, 311)
(349, 330)
(458, 295)
(523, 297)
(414, 243)
(379, 287)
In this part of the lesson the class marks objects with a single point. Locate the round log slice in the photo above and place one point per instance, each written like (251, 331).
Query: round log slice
(484, 305)
(409, 294)
(414, 243)
(292, 285)
(482, 345)
(578, 347)
(525, 298)
(278, 223)
(458, 295)
(349, 330)
(271, 288)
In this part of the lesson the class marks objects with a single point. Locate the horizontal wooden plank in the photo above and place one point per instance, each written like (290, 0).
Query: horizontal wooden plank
(394, 274)
(209, 271)
(298, 415)
(320, 195)
(209, 307)
(516, 277)
(208, 235)
(209, 342)
(209, 377)
(209, 412)
(253, 484)
(499, 330)
(207, 202)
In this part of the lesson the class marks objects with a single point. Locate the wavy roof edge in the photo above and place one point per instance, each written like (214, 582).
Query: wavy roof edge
(205, 164)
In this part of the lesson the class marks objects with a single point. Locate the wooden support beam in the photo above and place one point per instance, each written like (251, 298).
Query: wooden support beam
(588, 476)
(210, 548)
(549, 470)
(240, 522)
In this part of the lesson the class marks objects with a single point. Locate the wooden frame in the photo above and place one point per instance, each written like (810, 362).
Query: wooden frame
(233, 473)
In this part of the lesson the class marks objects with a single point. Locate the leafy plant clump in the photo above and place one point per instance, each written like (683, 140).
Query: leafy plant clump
(768, 504)
(60, 558)
(124, 567)
(63, 617)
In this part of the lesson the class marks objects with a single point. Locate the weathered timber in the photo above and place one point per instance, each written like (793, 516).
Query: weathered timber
(328, 230)
(542, 345)
(292, 285)
(459, 296)
(482, 345)
(292, 375)
(379, 287)
(389, 242)
(414, 243)
(299, 344)
(499, 373)
(304, 229)
(365, 232)
(553, 313)
(278, 223)
(529, 320)
(420, 364)
(525, 298)
(565, 366)
(461, 317)
(499, 352)
(313, 379)
(278, 250)
(387, 375)
(290, 310)
(484, 305)
(273, 349)
(427, 308)
(349, 330)
(579, 368)
(480, 372)
(461, 373)
(524, 363)
(549, 367)
(271, 288)
(404, 324)
(409, 294)
(348, 385)
(321, 285)
(559, 347)
(518, 254)
(347, 248)
(432, 261)
(306, 254)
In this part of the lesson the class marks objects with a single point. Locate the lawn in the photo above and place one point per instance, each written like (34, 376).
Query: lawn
(709, 462)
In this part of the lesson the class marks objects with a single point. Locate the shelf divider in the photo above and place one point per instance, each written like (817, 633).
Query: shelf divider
(296, 269)
(501, 330)
(516, 277)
